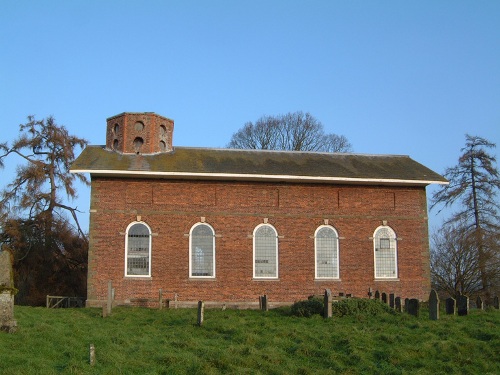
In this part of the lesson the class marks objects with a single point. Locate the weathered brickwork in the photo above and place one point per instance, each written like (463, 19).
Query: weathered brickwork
(153, 130)
(171, 207)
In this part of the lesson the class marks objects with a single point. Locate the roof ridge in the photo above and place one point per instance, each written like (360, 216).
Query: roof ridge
(285, 151)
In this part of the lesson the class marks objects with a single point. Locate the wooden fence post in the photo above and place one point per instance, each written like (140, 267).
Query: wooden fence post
(110, 296)
(92, 355)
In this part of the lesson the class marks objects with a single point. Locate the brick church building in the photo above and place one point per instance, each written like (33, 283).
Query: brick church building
(227, 226)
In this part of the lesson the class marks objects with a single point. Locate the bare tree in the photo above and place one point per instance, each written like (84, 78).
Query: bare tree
(454, 261)
(293, 132)
(473, 187)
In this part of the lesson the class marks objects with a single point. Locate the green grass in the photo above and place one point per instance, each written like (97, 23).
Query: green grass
(146, 341)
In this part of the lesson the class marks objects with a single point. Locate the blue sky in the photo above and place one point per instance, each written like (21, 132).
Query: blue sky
(394, 77)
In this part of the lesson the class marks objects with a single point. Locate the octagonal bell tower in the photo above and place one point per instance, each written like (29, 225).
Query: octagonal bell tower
(139, 133)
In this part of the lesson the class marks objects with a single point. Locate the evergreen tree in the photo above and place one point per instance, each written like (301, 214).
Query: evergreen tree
(473, 188)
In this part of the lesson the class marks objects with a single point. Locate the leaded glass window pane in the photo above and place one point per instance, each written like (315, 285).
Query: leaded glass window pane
(138, 249)
(326, 253)
(385, 253)
(202, 251)
(266, 252)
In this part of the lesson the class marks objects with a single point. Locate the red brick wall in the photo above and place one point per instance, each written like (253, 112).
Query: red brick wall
(234, 209)
(121, 131)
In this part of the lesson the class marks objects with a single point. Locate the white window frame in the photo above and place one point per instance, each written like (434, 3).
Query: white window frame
(276, 252)
(393, 247)
(149, 250)
(191, 252)
(336, 252)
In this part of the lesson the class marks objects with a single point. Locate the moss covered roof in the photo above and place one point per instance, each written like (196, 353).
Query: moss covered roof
(230, 164)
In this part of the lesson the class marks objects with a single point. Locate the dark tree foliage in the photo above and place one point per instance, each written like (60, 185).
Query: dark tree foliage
(292, 132)
(40, 268)
(473, 188)
(49, 252)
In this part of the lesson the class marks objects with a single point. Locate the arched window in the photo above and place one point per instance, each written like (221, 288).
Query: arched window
(138, 250)
(265, 252)
(326, 246)
(385, 250)
(202, 251)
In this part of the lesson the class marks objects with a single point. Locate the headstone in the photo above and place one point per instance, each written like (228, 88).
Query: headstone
(370, 293)
(433, 305)
(397, 304)
(391, 300)
(495, 302)
(451, 306)
(264, 303)
(384, 298)
(462, 305)
(327, 312)
(413, 307)
(407, 302)
(7, 293)
(377, 295)
(201, 312)
(479, 303)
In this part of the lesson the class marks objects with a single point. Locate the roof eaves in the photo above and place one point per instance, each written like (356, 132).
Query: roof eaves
(258, 177)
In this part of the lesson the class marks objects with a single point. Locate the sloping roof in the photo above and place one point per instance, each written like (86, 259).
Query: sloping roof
(261, 165)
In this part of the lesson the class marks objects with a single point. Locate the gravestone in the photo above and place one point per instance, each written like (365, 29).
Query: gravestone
(327, 312)
(462, 305)
(397, 304)
(377, 295)
(451, 306)
(479, 303)
(7, 292)
(370, 293)
(407, 302)
(413, 307)
(384, 298)
(433, 305)
(263, 302)
(391, 300)
(201, 313)
(495, 302)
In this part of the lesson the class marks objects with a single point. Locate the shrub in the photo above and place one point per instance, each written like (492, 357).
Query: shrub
(360, 306)
(350, 306)
(307, 308)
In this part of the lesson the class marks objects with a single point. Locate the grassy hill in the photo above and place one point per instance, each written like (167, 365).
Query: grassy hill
(146, 341)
